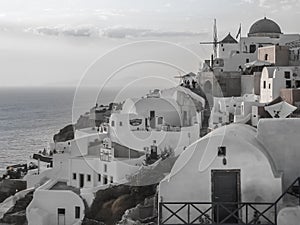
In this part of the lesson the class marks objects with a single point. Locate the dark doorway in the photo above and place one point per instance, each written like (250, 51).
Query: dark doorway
(252, 48)
(231, 117)
(81, 180)
(146, 123)
(225, 189)
(61, 220)
(152, 119)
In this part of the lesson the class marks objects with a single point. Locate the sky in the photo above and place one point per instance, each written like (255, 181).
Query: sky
(68, 42)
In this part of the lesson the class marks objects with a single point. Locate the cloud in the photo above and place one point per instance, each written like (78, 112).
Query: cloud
(125, 32)
(64, 30)
(282, 4)
(248, 1)
(114, 32)
(265, 4)
(274, 5)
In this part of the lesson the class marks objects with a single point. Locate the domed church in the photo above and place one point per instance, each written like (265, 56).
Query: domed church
(223, 73)
(265, 28)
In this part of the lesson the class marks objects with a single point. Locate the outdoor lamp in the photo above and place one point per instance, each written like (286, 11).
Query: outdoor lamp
(222, 153)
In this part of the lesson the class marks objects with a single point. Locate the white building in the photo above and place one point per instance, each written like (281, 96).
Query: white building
(171, 118)
(223, 75)
(55, 203)
(274, 79)
(235, 163)
(167, 120)
(232, 109)
(264, 32)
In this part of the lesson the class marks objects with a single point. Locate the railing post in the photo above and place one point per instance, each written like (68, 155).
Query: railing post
(217, 213)
(275, 216)
(188, 213)
(246, 213)
(299, 189)
(159, 213)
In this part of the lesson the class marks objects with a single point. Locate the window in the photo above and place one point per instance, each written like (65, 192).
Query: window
(252, 48)
(269, 85)
(77, 212)
(74, 176)
(120, 123)
(112, 123)
(88, 177)
(105, 179)
(297, 83)
(223, 49)
(288, 84)
(287, 75)
(61, 211)
(266, 56)
(99, 177)
(265, 84)
(111, 179)
(247, 60)
(220, 119)
(160, 120)
(105, 168)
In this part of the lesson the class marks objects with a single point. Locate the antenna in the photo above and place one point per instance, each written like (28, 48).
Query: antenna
(215, 41)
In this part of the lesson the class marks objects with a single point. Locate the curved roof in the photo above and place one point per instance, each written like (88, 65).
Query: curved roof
(230, 133)
(264, 27)
(269, 71)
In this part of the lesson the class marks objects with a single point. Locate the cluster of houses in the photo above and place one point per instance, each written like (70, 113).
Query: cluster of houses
(246, 170)
(260, 70)
(138, 133)
(240, 172)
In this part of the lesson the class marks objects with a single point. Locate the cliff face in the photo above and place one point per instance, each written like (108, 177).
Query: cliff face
(110, 204)
(65, 134)
(10, 187)
(17, 214)
(84, 122)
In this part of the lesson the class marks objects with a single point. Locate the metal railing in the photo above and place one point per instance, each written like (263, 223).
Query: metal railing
(213, 213)
(217, 213)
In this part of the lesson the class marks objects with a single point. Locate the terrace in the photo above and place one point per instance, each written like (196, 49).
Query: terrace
(229, 213)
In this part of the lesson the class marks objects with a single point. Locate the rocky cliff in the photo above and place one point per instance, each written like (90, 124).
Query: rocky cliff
(65, 134)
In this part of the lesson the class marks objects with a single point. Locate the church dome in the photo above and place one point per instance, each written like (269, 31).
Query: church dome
(265, 27)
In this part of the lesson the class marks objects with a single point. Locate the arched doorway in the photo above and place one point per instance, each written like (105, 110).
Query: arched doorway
(208, 87)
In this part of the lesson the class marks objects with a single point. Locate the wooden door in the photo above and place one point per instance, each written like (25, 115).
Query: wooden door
(226, 189)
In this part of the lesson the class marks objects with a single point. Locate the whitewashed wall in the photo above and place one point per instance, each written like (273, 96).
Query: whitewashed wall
(190, 179)
(48, 201)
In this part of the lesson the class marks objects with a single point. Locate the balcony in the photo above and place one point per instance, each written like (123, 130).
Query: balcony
(225, 213)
